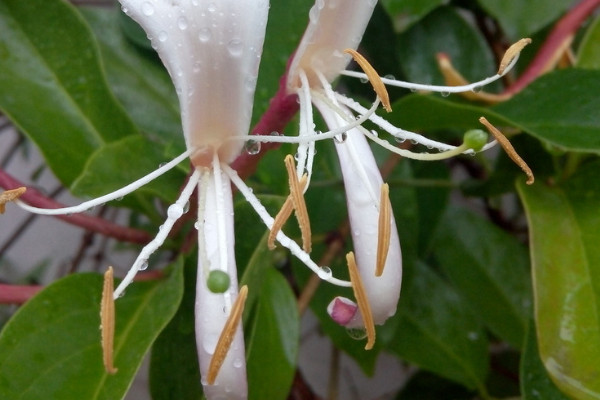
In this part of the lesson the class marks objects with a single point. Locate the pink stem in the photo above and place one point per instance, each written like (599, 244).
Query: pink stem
(563, 30)
(94, 224)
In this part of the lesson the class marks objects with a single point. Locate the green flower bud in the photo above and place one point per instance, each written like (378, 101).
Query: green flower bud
(475, 139)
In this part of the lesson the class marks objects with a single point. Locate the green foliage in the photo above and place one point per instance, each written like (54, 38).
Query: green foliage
(493, 269)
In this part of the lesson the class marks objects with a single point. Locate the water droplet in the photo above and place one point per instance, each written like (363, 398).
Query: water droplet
(357, 333)
(143, 265)
(313, 15)
(175, 211)
(235, 47)
(182, 23)
(212, 7)
(364, 80)
(237, 363)
(204, 35)
(477, 89)
(125, 10)
(186, 207)
(197, 225)
(163, 36)
(399, 139)
(445, 94)
(162, 164)
(414, 90)
(473, 336)
(252, 147)
(341, 138)
(274, 133)
(250, 83)
(390, 77)
(147, 8)
(324, 273)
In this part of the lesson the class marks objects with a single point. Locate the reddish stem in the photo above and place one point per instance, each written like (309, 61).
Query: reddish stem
(563, 31)
(99, 225)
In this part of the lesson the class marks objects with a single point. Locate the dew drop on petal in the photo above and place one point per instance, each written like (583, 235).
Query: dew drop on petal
(212, 7)
(477, 89)
(163, 36)
(445, 94)
(143, 265)
(204, 35)
(237, 363)
(175, 211)
(182, 23)
(235, 47)
(186, 207)
(252, 147)
(197, 225)
(147, 8)
(324, 273)
(357, 333)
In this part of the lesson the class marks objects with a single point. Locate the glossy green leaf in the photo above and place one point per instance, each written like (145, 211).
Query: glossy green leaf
(53, 86)
(137, 78)
(272, 346)
(563, 222)
(589, 50)
(438, 332)
(124, 161)
(409, 11)
(51, 347)
(444, 31)
(490, 268)
(174, 371)
(560, 108)
(521, 18)
(535, 382)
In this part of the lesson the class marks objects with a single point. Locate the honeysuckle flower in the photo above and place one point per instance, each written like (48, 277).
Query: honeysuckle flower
(334, 32)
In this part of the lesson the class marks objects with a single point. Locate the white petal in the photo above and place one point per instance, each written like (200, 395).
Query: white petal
(334, 26)
(212, 51)
(212, 309)
(383, 292)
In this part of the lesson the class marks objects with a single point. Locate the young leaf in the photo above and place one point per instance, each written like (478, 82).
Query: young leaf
(490, 268)
(589, 50)
(53, 86)
(563, 223)
(51, 347)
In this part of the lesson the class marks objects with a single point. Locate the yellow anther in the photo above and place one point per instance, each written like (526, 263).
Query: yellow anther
(227, 335)
(107, 321)
(10, 195)
(361, 300)
(511, 53)
(510, 150)
(373, 77)
(384, 229)
(296, 192)
(283, 215)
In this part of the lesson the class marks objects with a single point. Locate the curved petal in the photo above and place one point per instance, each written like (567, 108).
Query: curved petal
(212, 51)
(334, 26)
(362, 182)
(212, 309)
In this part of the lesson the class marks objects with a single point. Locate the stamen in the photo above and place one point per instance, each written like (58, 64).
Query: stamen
(384, 229)
(107, 321)
(510, 150)
(10, 195)
(299, 204)
(373, 77)
(283, 215)
(227, 335)
(455, 78)
(361, 300)
(511, 53)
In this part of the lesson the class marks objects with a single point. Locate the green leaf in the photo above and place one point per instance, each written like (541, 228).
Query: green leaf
(564, 235)
(174, 371)
(521, 18)
(113, 166)
(490, 269)
(560, 108)
(410, 11)
(148, 97)
(53, 86)
(437, 331)
(51, 347)
(589, 50)
(444, 31)
(272, 346)
(535, 382)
